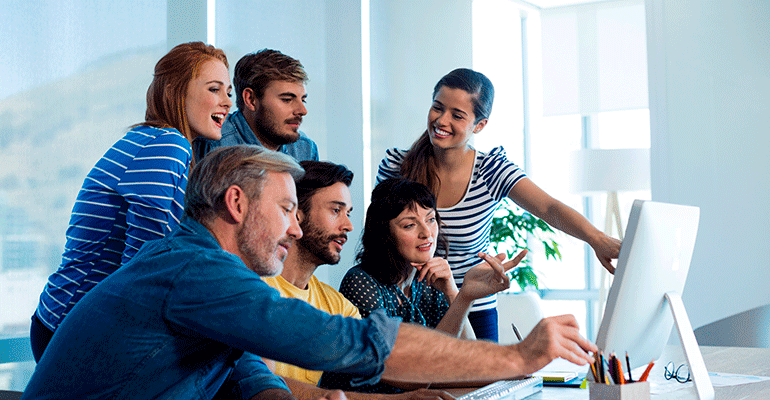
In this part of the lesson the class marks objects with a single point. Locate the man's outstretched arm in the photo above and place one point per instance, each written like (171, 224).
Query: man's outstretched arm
(424, 355)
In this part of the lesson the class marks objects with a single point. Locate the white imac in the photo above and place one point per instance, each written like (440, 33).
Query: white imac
(645, 298)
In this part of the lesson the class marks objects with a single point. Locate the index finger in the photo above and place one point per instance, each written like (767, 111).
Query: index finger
(607, 265)
(567, 319)
(578, 347)
(494, 262)
(516, 260)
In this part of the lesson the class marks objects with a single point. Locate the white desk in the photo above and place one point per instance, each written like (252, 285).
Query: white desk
(734, 360)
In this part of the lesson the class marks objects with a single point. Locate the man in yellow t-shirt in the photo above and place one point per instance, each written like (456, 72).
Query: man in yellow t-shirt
(320, 296)
(323, 210)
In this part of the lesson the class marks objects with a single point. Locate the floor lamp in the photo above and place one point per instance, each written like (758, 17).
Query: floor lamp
(610, 171)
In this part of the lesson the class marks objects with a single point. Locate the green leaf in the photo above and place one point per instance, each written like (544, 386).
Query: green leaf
(509, 233)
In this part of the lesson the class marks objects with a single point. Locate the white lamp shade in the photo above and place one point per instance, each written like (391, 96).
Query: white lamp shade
(610, 170)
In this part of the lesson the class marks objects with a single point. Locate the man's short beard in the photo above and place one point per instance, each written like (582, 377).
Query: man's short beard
(315, 242)
(259, 259)
(267, 129)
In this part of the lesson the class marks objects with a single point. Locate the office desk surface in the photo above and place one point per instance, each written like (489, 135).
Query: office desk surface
(734, 360)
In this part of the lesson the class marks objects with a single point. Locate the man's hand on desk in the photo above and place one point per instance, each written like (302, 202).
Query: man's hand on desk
(333, 395)
(419, 394)
(555, 337)
(278, 394)
(306, 391)
(281, 394)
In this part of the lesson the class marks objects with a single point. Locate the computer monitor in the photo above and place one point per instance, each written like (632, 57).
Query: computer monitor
(645, 296)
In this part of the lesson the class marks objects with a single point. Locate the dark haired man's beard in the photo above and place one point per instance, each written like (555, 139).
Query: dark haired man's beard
(316, 242)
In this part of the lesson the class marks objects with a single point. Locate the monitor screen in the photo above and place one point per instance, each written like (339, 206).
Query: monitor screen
(654, 259)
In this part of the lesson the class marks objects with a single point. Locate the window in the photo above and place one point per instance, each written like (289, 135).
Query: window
(74, 79)
(502, 64)
(572, 64)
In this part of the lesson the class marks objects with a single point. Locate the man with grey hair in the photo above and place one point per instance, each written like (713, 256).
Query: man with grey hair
(174, 321)
(189, 315)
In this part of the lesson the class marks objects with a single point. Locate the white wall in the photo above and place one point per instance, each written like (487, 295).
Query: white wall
(413, 44)
(709, 80)
(296, 28)
(343, 115)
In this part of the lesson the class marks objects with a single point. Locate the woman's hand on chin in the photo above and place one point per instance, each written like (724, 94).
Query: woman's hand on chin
(437, 273)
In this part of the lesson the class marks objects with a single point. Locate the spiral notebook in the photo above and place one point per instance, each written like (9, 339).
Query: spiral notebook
(507, 390)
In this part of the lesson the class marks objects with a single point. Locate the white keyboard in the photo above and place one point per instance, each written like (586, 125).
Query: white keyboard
(507, 390)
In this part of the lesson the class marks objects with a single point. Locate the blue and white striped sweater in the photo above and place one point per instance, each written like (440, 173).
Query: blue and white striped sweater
(467, 223)
(133, 194)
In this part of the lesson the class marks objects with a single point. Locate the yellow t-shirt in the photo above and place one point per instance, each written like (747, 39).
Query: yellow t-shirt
(320, 296)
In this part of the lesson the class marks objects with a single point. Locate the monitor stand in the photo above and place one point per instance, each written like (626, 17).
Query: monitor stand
(700, 375)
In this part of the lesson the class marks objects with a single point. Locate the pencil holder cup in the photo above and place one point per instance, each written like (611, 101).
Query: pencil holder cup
(629, 391)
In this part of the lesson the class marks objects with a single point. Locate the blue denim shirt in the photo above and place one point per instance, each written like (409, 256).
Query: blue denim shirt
(174, 321)
(237, 131)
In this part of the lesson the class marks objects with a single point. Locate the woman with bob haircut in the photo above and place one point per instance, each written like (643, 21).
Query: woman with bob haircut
(135, 192)
(398, 269)
(469, 185)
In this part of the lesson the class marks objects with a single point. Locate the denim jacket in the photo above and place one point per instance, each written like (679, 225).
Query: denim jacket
(237, 131)
(175, 321)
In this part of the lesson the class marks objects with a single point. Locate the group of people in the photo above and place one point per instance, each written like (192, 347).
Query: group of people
(203, 286)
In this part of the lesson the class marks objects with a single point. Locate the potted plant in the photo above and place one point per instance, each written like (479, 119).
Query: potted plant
(511, 228)
(512, 231)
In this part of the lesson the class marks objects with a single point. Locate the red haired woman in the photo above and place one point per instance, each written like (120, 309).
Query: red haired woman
(135, 192)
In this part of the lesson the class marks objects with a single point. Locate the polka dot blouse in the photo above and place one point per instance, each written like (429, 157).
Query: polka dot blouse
(425, 307)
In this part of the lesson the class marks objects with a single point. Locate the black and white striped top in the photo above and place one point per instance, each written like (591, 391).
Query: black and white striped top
(466, 225)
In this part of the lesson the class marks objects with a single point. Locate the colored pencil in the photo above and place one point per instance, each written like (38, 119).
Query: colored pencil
(646, 371)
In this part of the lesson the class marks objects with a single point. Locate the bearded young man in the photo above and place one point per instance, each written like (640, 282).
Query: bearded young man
(323, 212)
(270, 95)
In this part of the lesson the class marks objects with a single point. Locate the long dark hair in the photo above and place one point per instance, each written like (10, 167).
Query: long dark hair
(420, 162)
(378, 253)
